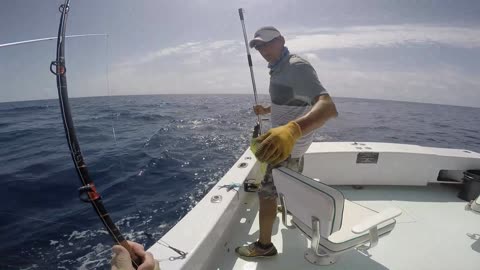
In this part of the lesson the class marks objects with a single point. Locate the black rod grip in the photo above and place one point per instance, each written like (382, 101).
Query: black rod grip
(240, 12)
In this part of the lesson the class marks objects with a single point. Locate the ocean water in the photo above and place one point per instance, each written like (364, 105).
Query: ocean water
(153, 158)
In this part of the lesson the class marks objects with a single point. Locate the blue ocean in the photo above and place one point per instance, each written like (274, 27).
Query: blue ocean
(153, 158)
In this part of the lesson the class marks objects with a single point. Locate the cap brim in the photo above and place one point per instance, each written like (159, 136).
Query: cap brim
(256, 41)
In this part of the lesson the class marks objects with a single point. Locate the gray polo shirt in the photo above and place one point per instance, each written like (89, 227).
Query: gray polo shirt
(293, 87)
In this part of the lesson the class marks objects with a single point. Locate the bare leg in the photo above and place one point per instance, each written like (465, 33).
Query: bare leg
(268, 212)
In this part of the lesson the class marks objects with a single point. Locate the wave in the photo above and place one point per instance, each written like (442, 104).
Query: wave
(169, 151)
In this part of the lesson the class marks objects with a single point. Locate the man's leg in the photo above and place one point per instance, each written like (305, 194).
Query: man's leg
(267, 212)
(267, 197)
(267, 200)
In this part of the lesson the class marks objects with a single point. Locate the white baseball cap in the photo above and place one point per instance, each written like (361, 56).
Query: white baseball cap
(264, 34)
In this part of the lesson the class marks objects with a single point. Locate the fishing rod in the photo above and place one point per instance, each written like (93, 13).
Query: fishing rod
(257, 130)
(88, 192)
(45, 39)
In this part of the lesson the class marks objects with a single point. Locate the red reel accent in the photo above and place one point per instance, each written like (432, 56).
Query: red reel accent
(93, 194)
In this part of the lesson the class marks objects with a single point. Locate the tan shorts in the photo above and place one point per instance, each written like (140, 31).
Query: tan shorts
(267, 189)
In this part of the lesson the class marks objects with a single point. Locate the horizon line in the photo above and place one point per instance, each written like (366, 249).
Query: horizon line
(226, 94)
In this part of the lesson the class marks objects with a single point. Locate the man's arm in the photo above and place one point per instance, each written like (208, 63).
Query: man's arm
(322, 110)
(277, 143)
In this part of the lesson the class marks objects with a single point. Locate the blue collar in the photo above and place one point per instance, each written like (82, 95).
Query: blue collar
(285, 53)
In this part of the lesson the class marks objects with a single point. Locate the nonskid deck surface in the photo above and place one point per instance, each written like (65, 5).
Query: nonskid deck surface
(434, 232)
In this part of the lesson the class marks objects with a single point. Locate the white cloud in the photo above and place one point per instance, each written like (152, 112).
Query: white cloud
(444, 85)
(192, 50)
(311, 40)
(308, 40)
(220, 66)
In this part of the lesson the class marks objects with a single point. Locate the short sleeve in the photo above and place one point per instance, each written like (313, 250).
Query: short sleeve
(305, 83)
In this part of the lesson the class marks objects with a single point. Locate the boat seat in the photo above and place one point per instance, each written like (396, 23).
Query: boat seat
(334, 224)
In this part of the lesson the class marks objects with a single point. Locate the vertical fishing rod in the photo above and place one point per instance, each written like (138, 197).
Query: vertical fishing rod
(257, 130)
(87, 192)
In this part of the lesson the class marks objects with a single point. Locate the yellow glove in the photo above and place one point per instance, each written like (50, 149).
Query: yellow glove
(263, 166)
(276, 145)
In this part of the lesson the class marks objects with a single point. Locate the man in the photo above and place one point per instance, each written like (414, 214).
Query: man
(299, 106)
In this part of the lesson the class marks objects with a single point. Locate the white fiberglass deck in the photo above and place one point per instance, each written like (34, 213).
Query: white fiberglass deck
(434, 232)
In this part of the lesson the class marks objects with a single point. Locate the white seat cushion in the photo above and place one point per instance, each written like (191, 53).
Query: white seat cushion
(345, 239)
(306, 198)
(354, 214)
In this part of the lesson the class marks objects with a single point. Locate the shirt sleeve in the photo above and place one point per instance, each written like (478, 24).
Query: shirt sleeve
(306, 85)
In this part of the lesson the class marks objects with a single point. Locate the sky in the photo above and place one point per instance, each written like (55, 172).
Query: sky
(420, 51)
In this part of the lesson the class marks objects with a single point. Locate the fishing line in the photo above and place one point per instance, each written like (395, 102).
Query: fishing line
(45, 39)
(114, 118)
(107, 81)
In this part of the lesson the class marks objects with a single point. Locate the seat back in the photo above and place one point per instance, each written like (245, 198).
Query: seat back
(306, 198)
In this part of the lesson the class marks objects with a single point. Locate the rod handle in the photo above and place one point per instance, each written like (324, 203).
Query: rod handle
(136, 261)
(240, 12)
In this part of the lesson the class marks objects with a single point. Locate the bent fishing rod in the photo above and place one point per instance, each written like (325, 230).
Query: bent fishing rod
(88, 192)
(257, 130)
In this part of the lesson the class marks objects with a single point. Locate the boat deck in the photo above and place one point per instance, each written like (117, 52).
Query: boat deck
(434, 232)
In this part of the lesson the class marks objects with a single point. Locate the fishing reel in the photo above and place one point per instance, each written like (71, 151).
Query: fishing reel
(88, 193)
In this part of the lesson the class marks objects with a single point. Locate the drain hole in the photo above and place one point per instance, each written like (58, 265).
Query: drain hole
(243, 165)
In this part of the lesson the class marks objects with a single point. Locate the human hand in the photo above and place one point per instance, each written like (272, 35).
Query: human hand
(276, 145)
(260, 110)
(121, 259)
